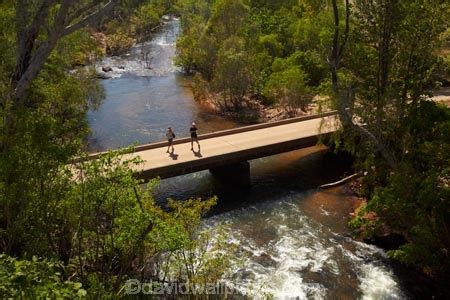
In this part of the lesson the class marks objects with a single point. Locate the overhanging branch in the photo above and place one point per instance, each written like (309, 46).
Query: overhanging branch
(90, 18)
(61, 26)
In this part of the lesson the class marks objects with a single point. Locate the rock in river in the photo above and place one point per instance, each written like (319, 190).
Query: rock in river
(106, 69)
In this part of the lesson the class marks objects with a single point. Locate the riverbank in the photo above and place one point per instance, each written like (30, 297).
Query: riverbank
(418, 284)
(253, 109)
(442, 95)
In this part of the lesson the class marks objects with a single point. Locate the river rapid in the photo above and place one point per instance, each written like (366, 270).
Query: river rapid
(296, 237)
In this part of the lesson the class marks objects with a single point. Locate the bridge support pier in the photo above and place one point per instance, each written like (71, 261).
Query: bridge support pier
(237, 174)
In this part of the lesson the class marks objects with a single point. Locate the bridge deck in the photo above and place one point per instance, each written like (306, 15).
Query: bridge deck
(233, 146)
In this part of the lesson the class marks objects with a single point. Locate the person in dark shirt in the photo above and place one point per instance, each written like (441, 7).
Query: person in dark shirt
(194, 136)
(170, 135)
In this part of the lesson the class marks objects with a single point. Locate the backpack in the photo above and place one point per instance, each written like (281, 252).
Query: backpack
(173, 135)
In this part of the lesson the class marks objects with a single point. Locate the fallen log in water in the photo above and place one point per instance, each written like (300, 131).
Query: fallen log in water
(343, 180)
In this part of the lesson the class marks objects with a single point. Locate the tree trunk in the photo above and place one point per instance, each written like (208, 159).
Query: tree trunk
(384, 45)
(343, 101)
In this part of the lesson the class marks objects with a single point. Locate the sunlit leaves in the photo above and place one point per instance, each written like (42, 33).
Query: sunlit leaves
(33, 279)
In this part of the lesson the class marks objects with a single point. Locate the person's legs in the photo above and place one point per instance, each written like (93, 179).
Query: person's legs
(194, 139)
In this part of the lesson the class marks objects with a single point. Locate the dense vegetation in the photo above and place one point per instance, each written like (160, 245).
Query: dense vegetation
(245, 50)
(377, 63)
(132, 21)
(62, 237)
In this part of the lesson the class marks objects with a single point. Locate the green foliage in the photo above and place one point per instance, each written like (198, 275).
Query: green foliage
(271, 44)
(94, 220)
(7, 39)
(206, 259)
(227, 18)
(289, 88)
(35, 279)
(365, 223)
(233, 44)
(105, 225)
(145, 18)
(386, 72)
(134, 21)
(314, 32)
(119, 42)
(312, 7)
(90, 220)
(120, 229)
(415, 200)
(192, 253)
(77, 49)
(234, 72)
(45, 140)
(49, 131)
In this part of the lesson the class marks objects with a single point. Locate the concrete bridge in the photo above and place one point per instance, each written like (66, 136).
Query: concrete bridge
(226, 153)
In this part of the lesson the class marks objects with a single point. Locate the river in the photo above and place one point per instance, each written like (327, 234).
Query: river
(296, 236)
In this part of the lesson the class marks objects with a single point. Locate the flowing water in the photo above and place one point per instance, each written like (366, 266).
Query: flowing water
(295, 236)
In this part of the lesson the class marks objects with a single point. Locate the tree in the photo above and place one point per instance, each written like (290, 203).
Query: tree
(32, 120)
(388, 67)
(313, 6)
(234, 72)
(228, 17)
(344, 98)
(234, 44)
(32, 17)
(289, 88)
(89, 221)
(380, 81)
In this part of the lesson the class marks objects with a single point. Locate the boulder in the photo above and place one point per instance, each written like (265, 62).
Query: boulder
(106, 69)
(102, 76)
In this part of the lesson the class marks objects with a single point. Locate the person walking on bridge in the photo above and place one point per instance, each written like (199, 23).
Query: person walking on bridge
(194, 136)
(170, 135)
